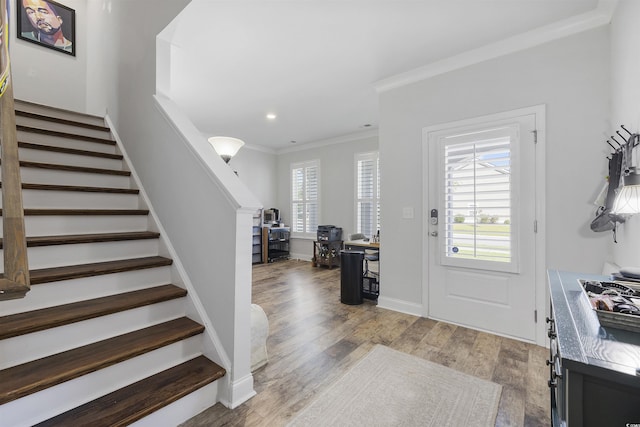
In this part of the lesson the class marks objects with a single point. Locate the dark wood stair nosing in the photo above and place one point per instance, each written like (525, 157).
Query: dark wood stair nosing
(30, 377)
(51, 317)
(83, 212)
(70, 168)
(70, 239)
(79, 188)
(56, 274)
(67, 135)
(19, 102)
(135, 401)
(54, 187)
(67, 122)
(65, 150)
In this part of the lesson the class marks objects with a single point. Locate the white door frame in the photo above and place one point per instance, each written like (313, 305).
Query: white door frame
(541, 292)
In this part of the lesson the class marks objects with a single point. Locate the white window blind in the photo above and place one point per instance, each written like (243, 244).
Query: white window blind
(305, 189)
(478, 196)
(367, 193)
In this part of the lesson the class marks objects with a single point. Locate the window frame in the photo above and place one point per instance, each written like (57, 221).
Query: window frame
(470, 134)
(304, 165)
(375, 225)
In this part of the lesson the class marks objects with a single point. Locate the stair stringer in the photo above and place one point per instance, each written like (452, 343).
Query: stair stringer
(228, 392)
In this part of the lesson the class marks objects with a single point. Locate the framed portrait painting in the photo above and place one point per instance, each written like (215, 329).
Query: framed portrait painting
(48, 24)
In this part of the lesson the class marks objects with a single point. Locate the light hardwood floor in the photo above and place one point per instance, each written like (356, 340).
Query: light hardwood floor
(314, 340)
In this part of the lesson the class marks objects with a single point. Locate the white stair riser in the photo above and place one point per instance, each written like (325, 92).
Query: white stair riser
(53, 199)
(86, 253)
(61, 114)
(62, 177)
(82, 224)
(70, 394)
(67, 291)
(182, 409)
(59, 141)
(25, 348)
(44, 156)
(60, 127)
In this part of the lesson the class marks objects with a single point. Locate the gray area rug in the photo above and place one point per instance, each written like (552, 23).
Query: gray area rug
(391, 388)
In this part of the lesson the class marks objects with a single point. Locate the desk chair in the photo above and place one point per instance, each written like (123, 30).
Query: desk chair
(371, 256)
(368, 255)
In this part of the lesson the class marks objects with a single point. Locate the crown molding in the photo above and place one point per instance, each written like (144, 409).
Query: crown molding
(330, 141)
(598, 17)
(314, 144)
(260, 148)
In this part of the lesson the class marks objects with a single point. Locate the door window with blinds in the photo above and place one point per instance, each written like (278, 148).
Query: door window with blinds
(479, 183)
(305, 199)
(367, 193)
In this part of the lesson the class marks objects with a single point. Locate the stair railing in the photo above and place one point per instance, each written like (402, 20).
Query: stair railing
(16, 282)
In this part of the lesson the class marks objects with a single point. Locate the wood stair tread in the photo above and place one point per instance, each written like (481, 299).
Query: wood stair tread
(131, 403)
(54, 274)
(22, 380)
(65, 150)
(53, 212)
(69, 239)
(55, 187)
(31, 115)
(70, 168)
(37, 320)
(65, 135)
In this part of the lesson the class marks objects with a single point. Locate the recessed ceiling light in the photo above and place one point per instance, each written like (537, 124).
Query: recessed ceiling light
(271, 116)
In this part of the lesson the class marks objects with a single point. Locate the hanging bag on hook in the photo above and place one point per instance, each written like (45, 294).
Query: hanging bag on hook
(605, 220)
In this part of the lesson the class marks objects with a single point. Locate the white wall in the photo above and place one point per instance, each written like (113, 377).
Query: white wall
(337, 185)
(257, 170)
(101, 72)
(194, 210)
(625, 108)
(44, 76)
(570, 76)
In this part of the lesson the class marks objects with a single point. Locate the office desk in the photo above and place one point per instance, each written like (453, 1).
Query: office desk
(361, 245)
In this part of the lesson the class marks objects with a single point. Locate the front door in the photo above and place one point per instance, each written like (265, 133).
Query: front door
(481, 224)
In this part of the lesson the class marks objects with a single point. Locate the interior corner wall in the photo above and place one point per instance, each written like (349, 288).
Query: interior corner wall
(194, 210)
(47, 77)
(257, 170)
(571, 76)
(625, 110)
(337, 186)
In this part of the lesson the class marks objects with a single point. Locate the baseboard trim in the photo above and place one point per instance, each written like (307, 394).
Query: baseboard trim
(400, 305)
(301, 257)
(239, 392)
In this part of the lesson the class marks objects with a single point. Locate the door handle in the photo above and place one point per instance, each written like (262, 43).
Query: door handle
(434, 234)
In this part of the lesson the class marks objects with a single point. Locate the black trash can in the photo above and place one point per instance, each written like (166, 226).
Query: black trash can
(351, 277)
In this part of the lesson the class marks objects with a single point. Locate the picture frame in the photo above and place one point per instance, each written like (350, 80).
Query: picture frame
(48, 24)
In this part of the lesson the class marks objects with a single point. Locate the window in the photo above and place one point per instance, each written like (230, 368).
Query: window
(305, 198)
(367, 193)
(477, 196)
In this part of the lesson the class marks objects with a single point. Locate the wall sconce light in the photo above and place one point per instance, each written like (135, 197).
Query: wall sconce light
(627, 200)
(225, 146)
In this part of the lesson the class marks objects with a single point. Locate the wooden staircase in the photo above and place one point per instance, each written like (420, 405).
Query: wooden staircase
(102, 338)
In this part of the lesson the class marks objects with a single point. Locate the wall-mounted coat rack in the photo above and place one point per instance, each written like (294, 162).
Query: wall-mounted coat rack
(622, 170)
